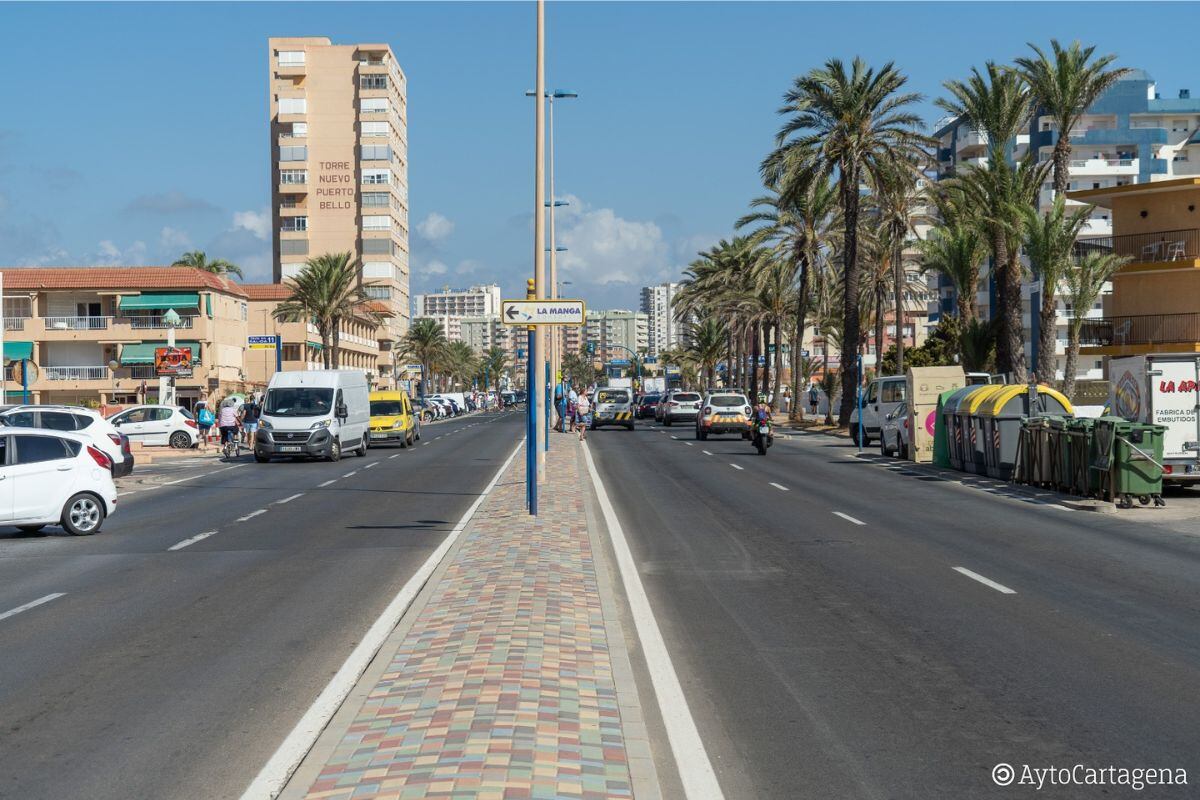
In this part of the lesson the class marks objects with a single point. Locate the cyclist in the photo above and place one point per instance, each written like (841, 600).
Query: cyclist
(227, 423)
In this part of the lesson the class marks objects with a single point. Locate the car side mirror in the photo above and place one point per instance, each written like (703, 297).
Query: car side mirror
(341, 412)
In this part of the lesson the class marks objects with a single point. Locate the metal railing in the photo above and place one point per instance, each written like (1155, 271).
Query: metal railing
(14, 323)
(1142, 329)
(142, 371)
(156, 321)
(1147, 247)
(76, 373)
(1108, 162)
(76, 323)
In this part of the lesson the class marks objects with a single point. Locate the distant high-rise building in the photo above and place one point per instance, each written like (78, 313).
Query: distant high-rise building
(449, 306)
(663, 331)
(615, 333)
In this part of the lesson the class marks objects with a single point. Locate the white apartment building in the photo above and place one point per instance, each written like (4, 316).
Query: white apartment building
(484, 332)
(663, 331)
(449, 306)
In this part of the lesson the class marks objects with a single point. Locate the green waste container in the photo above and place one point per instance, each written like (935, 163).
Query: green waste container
(1084, 471)
(1060, 453)
(1135, 456)
(1036, 452)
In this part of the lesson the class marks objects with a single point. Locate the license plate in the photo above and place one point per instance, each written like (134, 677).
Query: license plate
(290, 448)
(379, 435)
(764, 429)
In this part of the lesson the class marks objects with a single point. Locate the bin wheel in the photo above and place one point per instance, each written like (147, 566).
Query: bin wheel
(1158, 501)
(1144, 500)
(1126, 501)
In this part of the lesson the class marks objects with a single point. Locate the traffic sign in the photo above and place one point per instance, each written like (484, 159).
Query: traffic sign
(542, 312)
(260, 342)
(620, 362)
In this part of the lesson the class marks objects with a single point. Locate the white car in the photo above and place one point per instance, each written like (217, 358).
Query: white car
(165, 425)
(50, 477)
(79, 420)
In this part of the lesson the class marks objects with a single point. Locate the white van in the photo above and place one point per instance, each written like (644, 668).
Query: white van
(883, 396)
(318, 413)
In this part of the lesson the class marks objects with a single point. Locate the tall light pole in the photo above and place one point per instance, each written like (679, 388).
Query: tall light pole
(536, 459)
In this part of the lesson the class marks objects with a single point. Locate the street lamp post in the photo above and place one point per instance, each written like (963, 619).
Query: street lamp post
(166, 383)
(536, 458)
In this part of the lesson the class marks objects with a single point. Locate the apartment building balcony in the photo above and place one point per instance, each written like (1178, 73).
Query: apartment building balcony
(1119, 335)
(100, 328)
(974, 143)
(1104, 166)
(84, 373)
(1179, 248)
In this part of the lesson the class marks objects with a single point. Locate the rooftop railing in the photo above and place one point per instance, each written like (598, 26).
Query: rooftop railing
(1147, 247)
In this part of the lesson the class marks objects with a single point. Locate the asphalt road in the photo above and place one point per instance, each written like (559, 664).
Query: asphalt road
(175, 673)
(829, 647)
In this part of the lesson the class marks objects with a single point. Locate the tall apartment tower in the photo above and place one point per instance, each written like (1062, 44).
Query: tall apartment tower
(339, 165)
(664, 330)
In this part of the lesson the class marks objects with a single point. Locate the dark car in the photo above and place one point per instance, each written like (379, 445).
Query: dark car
(646, 406)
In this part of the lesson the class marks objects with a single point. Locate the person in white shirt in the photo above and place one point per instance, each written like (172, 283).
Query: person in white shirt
(583, 412)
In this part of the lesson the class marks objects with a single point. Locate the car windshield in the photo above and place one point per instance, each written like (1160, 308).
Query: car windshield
(650, 398)
(612, 396)
(686, 397)
(727, 401)
(299, 402)
(386, 408)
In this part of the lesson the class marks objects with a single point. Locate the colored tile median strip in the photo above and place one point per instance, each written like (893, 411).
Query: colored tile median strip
(503, 686)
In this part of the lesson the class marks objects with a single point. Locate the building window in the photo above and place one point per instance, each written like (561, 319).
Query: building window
(291, 352)
(375, 128)
(293, 247)
(376, 152)
(245, 311)
(293, 153)
(293, 176)
(374, 105)
(376, 199)
(295, 224)
(377, 223)
(291, 58)
(299, 130)
(375, 176)
(293, 105)
(378, 292)
(1179, 125)
(288, 201)
(375, 247)
(372, 81)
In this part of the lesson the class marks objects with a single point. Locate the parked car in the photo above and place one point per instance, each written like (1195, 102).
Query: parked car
(318, 413)
(76, 419)
(894, 434)
(724, 412)
(881, 398)
(166, 425)
(680, 406)
(392, 418)
(613, 407)
(54, 477)
(646, 406)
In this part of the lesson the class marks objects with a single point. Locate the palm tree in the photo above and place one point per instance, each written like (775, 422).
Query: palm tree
(900, 201)
(707, 346)
(327, 290)
(997, 105)
(956, 249)
(1065, 86)
(460, 363)
(426, 343)
(493, 363)
(197, 259)
(1049, 241)
(855, 123)
(1084, 279)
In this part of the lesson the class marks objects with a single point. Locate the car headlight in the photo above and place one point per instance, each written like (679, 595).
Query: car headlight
(321, 423)
(264, 425)
(398, 424)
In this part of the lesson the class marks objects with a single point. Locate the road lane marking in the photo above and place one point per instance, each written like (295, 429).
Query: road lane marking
(252, 515)
(287, 757)
(780, 488)
(201, 475)
(695, 770)
(735, 466)
(975, 576)
(326, 483)
(689, 444)
(849, 518)
(424, 443)
(350, 474)
(32, 604)
(394, 455)
(706, 452)
(190, 540)
(288, 499)
(372, 464)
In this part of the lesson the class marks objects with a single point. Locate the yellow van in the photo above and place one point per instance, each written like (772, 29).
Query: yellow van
(392, 419)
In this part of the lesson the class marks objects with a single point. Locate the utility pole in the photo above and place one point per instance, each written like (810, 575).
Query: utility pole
(537, 372)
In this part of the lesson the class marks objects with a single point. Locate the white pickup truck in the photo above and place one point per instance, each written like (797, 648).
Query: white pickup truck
(1163, 389)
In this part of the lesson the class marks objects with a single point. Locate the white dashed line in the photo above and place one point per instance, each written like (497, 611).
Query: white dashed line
(780, 488)
(32, 604)
(706, 452)
(350, 474)
(849, 518)
(394, 455)
(425, 443)
(191, 540)
(689, 444)
(372, 464)
(252, 515)
(326, 483)
(288, 499)
(735, 466)
(975, 576)
(201, 475)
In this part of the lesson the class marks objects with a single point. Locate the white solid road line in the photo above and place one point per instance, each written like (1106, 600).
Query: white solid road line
(735, 466)
(849, 518)
(275, 773)
(191, 540)
(780, 488)
(326, 483)
(252, 515)
(695, 770)
(975, 576)
(288, 499)
(32, 604)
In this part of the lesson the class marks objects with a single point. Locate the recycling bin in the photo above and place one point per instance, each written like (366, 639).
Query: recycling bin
(1136, 452)
(1035, 464)
(1000, 417)
(1087, 463)
(954, 432)
(972, 427)
(1060, 453)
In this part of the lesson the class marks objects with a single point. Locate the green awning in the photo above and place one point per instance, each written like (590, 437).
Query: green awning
(14, 351)
(160, 301)
(315, 345)
(143, 352)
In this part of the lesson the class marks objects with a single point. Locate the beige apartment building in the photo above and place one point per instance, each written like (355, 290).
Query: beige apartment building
(339, 146)
(450, 306)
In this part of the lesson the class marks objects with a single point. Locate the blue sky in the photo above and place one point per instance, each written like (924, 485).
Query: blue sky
(131, 132)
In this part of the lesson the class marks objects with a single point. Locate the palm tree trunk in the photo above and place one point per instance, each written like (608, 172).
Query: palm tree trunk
(898, 287)
(880, 304)
(1062, 163)
(852, 325)
(337, 339)
(778, 377)
(798, 339)
(324, 331)
(1012, 317)
(766, 370)
(1047, 336)
(1073, 328)
(1004, 353)
(966, 306)
(754, 353)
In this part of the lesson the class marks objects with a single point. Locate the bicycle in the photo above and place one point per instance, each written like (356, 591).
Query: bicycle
(231, 448)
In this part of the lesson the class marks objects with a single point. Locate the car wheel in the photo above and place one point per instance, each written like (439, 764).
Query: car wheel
(667, 421)
(629, 427)
(860, 436)
(180, 440)
(334, 453)
(362, 448)
(261, 459)
(83, 514)
(883, 448)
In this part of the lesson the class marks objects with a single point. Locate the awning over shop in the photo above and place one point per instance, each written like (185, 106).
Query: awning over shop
(143, 352)
(160, 301)
(14, 351)
(315, 345)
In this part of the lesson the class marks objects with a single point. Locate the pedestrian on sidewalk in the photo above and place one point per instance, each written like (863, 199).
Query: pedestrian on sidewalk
(583, 408)
(205, 419)
(814, 397)
(560, 408)
(572, 407)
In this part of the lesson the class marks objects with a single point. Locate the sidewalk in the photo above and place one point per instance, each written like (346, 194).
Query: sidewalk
(508, 678)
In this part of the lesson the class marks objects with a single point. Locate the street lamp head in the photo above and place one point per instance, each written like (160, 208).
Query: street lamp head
(556, 204)
(558, 94)
(557, 249)
(171, 318)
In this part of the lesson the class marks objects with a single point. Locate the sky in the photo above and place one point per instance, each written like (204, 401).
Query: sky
(131, 132)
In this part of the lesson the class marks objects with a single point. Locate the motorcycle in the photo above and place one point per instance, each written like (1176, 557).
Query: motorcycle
(762, 437)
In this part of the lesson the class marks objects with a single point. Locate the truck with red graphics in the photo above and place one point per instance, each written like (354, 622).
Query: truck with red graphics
(1163, 389)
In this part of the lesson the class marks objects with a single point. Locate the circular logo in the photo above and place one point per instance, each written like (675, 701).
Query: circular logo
(930, 420)
(1128, 397)
(1003, 774)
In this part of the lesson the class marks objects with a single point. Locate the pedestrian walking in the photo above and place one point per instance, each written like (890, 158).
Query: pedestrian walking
(572, 407)
(249, 416)
(814, 398)
(583, 414)
(205, 419)
(560, 408)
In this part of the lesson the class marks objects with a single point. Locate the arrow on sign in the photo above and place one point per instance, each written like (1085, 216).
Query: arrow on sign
(513, 313)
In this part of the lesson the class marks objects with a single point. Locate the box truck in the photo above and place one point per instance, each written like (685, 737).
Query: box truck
(1163, 389)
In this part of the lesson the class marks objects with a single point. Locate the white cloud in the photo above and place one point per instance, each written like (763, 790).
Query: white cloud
(435, 267)
(605, 248)
(108, 253)
(257, 222)
(173, 239)
(435, 227)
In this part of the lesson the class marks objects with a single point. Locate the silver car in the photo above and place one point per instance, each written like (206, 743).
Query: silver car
(882, 397)
(894, 434)
(680, 406)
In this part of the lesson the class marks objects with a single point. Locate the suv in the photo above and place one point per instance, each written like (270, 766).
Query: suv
(724, 412)
(169, 425)
(613, 407)
(882, 397)
(85, 421)
(680, 405)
